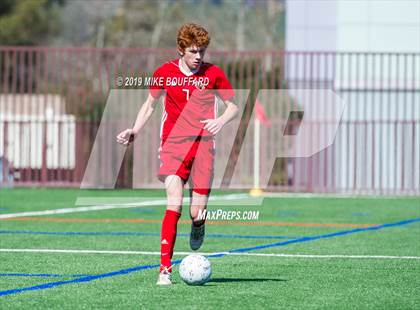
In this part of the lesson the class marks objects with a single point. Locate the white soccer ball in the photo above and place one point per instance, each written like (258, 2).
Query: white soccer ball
(195, 269)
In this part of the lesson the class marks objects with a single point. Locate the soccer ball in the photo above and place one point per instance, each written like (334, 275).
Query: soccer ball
(195, 269)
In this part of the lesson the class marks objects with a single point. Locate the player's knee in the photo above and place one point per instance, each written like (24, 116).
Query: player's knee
(198, 201)
(174, 186)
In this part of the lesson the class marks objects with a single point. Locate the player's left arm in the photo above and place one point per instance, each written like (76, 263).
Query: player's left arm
(215, 125)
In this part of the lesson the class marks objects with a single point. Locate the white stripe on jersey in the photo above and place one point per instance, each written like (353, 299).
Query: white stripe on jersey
(216, 108)
(163, 120)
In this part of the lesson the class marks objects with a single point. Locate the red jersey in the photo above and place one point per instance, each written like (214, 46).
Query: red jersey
(189, 99)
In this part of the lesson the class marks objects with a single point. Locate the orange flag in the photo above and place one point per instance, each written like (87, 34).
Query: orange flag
(260, 114)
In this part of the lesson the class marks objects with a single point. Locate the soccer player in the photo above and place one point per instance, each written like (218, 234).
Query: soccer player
(188, 129)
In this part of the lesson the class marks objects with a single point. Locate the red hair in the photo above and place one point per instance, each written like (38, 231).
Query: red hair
(192, 34)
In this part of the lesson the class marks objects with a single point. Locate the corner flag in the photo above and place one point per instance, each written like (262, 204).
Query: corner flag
(260, 114)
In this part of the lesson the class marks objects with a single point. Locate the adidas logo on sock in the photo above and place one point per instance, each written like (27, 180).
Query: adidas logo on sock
(164, 241)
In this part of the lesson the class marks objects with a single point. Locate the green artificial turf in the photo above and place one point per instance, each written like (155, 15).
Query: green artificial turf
(334, 226)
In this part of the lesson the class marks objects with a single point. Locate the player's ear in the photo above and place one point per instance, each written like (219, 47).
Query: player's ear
(181, 52)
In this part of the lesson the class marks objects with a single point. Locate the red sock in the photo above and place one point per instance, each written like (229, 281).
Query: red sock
(168, 236)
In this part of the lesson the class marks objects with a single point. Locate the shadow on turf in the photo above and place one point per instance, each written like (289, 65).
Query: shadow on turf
(223, 280)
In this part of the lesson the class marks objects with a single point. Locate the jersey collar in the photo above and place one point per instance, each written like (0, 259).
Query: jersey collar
(186, 72)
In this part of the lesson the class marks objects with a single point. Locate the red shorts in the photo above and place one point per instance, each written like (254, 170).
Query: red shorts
(190, 158)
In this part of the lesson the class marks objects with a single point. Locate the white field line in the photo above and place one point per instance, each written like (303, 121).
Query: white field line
(114, 206)
(82, 209)
(209, 253)
(334, 195)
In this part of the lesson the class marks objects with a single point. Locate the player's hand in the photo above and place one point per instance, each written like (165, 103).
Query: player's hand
(126, 137)
(213, 125)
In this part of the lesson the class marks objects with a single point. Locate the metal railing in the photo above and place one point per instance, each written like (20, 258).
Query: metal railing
(52, 100)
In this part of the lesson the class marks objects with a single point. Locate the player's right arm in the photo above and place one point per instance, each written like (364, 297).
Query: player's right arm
(127, 136)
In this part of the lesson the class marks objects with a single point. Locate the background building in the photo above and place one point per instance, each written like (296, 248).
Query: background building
(368, 52)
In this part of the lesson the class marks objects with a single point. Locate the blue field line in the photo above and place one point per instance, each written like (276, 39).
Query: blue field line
(144, 267)
(331, 235)
(80, 280)
(77, 233)
(42, 275)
